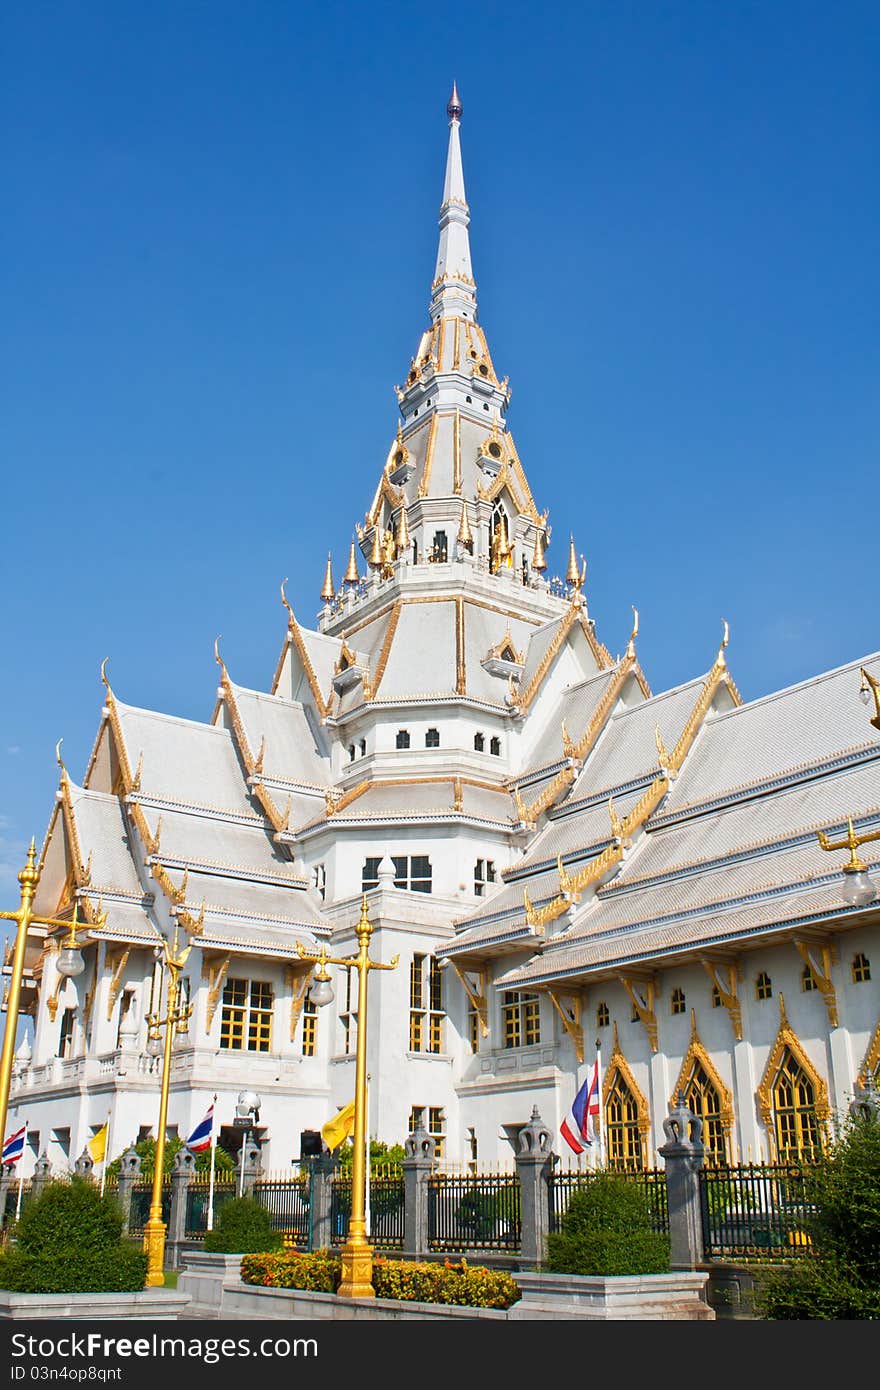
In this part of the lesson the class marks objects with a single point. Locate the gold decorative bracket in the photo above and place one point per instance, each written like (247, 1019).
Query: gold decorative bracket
(298, 982)
(820, 964)
(727, 991)
(570, 1014)
(215, 977)
(117, 966)
(477, 996)
(644, 996)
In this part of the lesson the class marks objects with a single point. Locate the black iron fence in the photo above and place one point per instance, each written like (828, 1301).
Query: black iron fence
(756, 1210)
(651, 1181)
(198, 1196)
(287, 1201)
(474, 1211)
(141, 1197)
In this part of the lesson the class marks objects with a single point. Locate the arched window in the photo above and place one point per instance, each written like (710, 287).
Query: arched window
(402, 740)
(704, 1100)
(624, 1141)
(861, 968)
(794, 1112)
(479, 743)
(495, 747)
(763, 986)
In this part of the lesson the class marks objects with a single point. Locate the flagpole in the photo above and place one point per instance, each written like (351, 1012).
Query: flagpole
(211, 1179)
(106, 1152)
(21, 1173)
(600, 1128)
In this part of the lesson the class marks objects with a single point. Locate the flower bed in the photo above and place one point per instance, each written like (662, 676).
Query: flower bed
(469, 1286)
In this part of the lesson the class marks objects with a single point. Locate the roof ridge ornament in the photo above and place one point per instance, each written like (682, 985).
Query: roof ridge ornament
(218, 658)
(631, 644)
(453, 106)
(720, 659)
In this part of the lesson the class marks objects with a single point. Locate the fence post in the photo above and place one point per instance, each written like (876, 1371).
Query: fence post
(42, 1175)
(683, 1156)
(247, 1167)
(129, 1172)
(321, 1170)
(182, 1169)
(534, 1164)
(84, 1165)
(418, 1164)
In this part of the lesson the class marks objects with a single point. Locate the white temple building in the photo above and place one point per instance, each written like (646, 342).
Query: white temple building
(557, 855)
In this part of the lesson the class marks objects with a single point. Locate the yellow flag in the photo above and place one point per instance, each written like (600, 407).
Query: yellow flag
(335, 1131)
(97, 1145)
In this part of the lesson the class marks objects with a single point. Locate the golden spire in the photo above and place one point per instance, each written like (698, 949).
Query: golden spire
(465, 535)
(351, 574)
(538, 561)
(328, 591)
(376, 552)
(402, 532)
(572, 575)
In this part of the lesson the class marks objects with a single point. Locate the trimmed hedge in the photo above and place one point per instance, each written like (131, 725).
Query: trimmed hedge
(606, 1231)
(243, 1224)
(69, 1240)
(469, 1286)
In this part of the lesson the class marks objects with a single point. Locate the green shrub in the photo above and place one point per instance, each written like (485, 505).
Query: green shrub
(469, 1286)
(69, 1240)
(840, 1277)
(243, 1224)
(607, 1230)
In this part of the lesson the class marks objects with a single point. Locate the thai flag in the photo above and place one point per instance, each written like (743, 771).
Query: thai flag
(203, 1133)
(578, 1129)
(14, 1146)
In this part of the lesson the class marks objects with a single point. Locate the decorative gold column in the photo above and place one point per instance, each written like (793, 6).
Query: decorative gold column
(357, 1253)
(154, 1231)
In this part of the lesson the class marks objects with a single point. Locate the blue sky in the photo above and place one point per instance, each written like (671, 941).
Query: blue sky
(217, 246)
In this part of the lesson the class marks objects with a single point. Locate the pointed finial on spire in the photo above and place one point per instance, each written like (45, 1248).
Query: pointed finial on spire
(351, 574)
(572, 574)
(217, 657)
(284, 600)
(465, 535)
(60, 761)
(376, 558)
(104, 680)
(328, 592)
(453, 106)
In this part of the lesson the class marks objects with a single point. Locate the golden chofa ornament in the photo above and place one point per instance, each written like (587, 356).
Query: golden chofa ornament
(351, 574)
(328, 593)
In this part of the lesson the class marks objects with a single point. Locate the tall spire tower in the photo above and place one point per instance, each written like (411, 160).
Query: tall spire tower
(454, 291)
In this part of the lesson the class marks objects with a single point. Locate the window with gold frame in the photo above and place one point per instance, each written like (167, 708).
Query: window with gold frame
(247, 1015)
(426, 1013)
(623, 1140)
(704, 1100)
(794, 1112)
(861, 968)
(521, 1018)
(309, 1027)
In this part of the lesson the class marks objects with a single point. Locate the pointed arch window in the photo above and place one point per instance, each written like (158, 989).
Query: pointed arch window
(794, 1112)
(623, 1135)
(705, 1100)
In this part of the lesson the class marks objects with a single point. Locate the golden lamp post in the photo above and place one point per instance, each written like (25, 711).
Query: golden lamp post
(357, 1253)
(175, 1021)
(70, 964)
(871, 687)
(858, 890)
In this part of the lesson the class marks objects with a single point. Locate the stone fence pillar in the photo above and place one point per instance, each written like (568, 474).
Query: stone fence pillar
(7, 1178)
(418, 1165)
(683, 1156)
(129, 1172)
(534, 1165)
(321, 1170)
(182, 1169)
(84, 1166)
(42, 1174)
